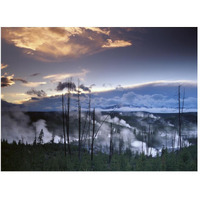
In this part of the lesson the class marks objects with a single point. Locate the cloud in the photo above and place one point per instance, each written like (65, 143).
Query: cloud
(93, 85)
(150, 98)
(3, 66)
(16, 97)
(33, 84)
(84, 88)
(116, 43)
(7, 80)
(165, 83)
(39, 93)
(98, 30)
(35, 74)
(107, 85)
(21, 80)
(119, 87)
(60, 77)
(62, 86)
(57, 43)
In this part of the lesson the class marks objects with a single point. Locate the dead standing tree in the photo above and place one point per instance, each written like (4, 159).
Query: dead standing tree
(179, 115)
(63, 116)
(89, 116)
(93, 134)
(180, 112)
(70, 87)
(79, 123)
(111, 144)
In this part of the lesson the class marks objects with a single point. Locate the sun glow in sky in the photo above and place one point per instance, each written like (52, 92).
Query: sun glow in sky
(35, 60)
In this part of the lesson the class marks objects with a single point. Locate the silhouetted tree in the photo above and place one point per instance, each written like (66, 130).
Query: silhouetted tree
(89, 118)
(70, 87)
(52, 139)
(63, 116)
(111, 144)
(35, 139)
(121, 144)
(79, 123)
(93, 135)
(180, 112)
(40, 137)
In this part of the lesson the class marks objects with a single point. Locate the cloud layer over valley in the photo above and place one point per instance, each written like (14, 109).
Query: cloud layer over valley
(153, 97)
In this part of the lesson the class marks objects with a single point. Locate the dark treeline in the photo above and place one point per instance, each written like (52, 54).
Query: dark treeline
(49, 157)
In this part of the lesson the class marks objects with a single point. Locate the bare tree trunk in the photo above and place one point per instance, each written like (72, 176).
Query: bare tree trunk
(93, 135)
(183, 99)
(35, 140)
(174, 140)
(111, 144)
(68, 108)
(89, 115)
(120, 142)
(142, 140)
(179, 116)
(83, 134)
(63, 116)
(79, 124)
(149, 135)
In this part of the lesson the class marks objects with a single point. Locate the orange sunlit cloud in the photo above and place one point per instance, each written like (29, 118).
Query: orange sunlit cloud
(16, 97)
(116, 43)
(53, 44)
(3, 66)
(98, 30)
(33, 84)
(61, 77)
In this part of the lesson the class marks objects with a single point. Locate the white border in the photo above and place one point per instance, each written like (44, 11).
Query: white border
(100, 185)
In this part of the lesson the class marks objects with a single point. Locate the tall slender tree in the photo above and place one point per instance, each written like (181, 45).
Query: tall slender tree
(70, 87)
(111, 144)
(63, 116)
(142, 139)
(179, 115)
(35, 139)
(79, 122)
(89, 118)
(93, 134)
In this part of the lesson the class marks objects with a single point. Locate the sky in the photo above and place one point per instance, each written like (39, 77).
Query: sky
(35, 60)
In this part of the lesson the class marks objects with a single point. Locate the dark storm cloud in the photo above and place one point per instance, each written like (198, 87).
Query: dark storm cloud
(84, 88)
(35, 74)
(62, 86)
(34, 99)
(119, 87)
(39, 93)
(92, 85)
(20, 79)
(6, 81)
